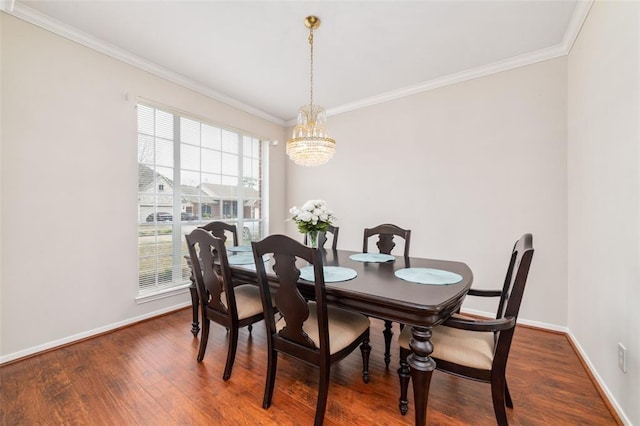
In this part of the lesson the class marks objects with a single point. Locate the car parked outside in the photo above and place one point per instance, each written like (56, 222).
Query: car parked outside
(160, 217)
(168, 217)
(188, 216)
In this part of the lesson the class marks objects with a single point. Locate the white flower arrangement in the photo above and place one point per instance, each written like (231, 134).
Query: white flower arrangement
(313, 216)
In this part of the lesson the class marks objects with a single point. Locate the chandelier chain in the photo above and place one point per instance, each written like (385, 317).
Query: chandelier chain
(311, 72)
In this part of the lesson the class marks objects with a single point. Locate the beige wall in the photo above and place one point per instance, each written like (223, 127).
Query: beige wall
(604, 189)
(468, 168)
(68, 189)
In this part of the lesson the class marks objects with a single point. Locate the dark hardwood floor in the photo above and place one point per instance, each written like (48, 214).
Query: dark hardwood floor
(147, 374)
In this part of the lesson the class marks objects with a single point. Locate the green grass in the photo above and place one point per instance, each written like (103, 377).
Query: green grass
(155, 252)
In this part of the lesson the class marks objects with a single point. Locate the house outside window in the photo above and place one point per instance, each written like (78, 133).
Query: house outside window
(190, 173)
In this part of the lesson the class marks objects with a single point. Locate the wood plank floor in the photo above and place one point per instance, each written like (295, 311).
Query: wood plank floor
(147, 374)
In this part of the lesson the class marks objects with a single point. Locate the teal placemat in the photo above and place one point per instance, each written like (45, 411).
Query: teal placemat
(332, 274)
(372, 257)
(428, 276)
(237, 249)
(244, 259)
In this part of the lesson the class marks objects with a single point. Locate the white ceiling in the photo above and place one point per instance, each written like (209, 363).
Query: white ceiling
(255, 54)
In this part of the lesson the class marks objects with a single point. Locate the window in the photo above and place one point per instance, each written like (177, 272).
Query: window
(190, 173)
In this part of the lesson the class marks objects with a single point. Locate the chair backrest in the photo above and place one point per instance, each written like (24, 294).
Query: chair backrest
(385, 243)
(513, 289)
(220, 229)
(322, 237)
(516, 277)
(204, 250)
(334, 230)
(289, 300)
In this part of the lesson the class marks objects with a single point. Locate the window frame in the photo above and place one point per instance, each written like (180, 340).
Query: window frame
(179, 283)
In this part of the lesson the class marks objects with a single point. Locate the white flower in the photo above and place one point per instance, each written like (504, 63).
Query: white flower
(312, 216)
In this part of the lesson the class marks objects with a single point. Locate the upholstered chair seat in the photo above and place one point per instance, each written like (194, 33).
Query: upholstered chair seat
(469, 348)
(248, 300)
(344, 326)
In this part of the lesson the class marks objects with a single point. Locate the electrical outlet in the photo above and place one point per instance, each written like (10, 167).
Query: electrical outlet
(622, 357)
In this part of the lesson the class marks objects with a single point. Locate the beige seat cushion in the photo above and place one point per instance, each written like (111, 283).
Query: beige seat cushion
(248, 300)
(344, 326)
(470, 348)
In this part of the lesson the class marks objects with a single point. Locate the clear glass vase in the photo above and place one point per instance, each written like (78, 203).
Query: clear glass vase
(312, 239)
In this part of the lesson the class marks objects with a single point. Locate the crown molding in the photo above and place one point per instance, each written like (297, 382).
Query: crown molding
(7, 5)
(577, 20)
(493, 68)
(575, 25)
(43, 21)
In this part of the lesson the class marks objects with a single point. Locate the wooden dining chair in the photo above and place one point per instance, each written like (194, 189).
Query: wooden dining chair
(220, 230)
(310, 331)
(479, 349)
(322, 237)
(231, 306)
(386, 232)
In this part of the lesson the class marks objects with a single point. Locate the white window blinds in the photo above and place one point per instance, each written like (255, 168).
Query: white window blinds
(191, 173)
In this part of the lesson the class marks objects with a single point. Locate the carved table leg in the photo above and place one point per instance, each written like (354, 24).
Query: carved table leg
(422, 367)
(195, 325)
(388, 334)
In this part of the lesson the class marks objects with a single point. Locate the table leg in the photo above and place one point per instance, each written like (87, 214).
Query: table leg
(422, 367)
(195, 325)
(388, 335)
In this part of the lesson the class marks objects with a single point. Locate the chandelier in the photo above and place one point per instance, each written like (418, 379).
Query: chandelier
(310, 144)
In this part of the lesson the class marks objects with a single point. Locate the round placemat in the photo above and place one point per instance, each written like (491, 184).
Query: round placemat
(428, 276)
(332, 274)
(238, 249)
(372, 257)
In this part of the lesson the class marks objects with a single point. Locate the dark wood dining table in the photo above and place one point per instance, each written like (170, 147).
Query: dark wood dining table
(377, 292)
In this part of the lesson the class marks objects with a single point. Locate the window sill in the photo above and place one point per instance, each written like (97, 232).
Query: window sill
(163, 293)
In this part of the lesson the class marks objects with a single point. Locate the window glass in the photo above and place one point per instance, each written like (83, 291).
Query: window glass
(211, 137)
(189, 131)
(211, 161)
(190, 173)
(229, 142)
(229, 164)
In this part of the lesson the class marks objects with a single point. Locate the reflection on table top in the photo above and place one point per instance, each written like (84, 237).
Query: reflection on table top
(378, 292)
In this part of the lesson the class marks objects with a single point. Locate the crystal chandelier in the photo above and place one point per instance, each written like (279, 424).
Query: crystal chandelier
(310, 144)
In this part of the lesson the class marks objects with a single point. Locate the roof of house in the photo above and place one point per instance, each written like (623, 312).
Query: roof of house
(229, 191)
(147, 176)
(206, 193)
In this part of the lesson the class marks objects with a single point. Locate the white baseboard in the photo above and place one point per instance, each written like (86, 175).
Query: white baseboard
(625, 420)
(87, 334)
